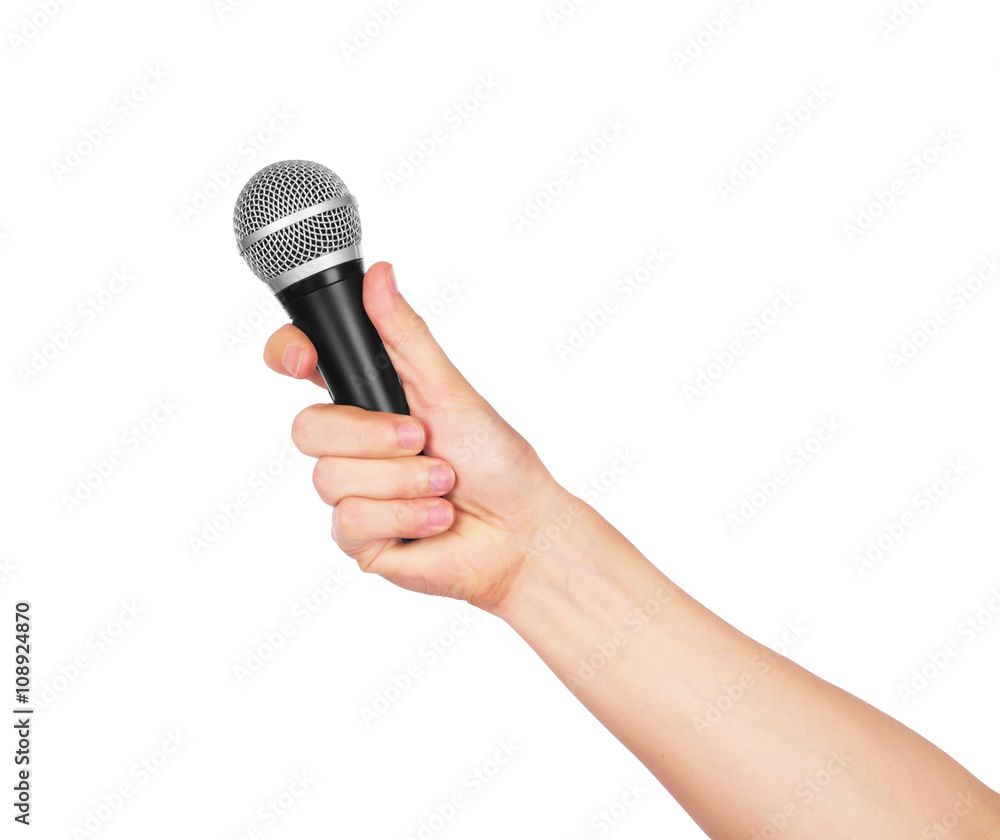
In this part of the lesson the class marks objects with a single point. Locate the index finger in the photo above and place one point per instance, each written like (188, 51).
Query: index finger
(289, 352)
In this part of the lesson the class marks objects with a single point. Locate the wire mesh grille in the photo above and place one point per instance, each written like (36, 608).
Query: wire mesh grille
(284, 188)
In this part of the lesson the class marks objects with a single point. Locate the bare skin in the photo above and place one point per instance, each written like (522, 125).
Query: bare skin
(750, 744)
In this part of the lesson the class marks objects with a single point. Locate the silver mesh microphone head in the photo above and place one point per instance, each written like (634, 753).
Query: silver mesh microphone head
(294, 219)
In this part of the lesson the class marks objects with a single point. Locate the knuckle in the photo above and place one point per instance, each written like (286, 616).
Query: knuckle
(414, 328)
(417, 325)
(324, 480)
(301, 428)
(345, 520)
(405, 518)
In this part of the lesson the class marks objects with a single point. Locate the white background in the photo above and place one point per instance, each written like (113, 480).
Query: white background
(153, 200)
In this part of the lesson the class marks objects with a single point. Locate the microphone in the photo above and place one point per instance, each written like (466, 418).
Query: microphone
(298, 228)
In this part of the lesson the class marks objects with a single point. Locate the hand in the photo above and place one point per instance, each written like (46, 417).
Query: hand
(475, 498)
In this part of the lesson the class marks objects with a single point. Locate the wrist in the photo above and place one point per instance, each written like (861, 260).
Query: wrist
(576, 566)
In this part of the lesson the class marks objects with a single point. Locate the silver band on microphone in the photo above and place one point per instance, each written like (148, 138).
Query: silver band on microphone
(293, 275)
(292, 218)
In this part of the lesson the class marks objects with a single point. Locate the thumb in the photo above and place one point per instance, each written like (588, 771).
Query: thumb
(427, 373)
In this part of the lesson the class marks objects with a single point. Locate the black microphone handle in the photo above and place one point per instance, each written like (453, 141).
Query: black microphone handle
(328, 308)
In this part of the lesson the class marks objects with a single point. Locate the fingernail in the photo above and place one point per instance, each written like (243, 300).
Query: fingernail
(409, 435)
(390, 281)
(291, 359)
(440, 515)
(440, 477)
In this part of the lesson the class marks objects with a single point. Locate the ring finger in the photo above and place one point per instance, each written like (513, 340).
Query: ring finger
(413, 477)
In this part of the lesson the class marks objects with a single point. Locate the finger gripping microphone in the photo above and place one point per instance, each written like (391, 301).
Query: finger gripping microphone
(298, 228)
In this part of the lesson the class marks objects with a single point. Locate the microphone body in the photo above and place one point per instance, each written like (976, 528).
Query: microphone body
(297, 227)
(328, 308)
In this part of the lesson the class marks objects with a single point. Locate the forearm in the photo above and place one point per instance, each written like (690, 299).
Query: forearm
(742, 737)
